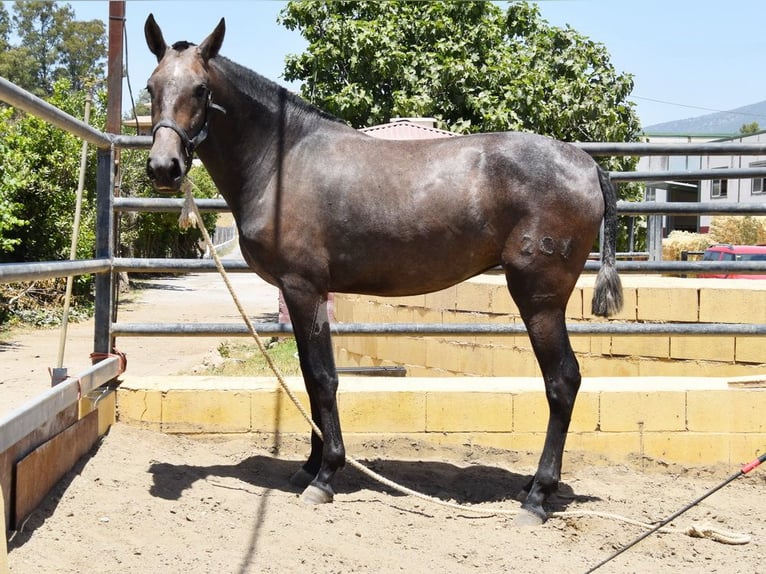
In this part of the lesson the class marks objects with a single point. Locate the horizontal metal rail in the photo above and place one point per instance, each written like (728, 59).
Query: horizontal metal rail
(177, 265)
(599, 149)
(174, 204)
(24, 420)
(166, 204)
(14, 272)
(132, 142)
(11, 272)
(646, 149)
(689, 208)
(689, 175)
(696, 267)
(208, 266)
(432, 330)
(20, 98)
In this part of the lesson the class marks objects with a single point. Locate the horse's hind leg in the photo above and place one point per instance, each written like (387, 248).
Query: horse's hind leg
(543, 315)
(311, 327)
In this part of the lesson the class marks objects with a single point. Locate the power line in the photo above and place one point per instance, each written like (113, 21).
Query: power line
(746, 114)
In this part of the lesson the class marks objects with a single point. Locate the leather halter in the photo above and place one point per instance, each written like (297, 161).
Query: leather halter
(190, 144)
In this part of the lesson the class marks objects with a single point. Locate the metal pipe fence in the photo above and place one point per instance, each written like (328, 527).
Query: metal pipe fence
(106, 264)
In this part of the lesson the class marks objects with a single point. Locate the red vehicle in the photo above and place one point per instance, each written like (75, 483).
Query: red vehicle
(735, 253)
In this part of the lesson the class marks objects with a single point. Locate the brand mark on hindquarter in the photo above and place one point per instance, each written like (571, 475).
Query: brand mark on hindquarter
(546, 245)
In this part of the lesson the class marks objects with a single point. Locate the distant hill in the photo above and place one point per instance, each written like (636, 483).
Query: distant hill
(718, 123)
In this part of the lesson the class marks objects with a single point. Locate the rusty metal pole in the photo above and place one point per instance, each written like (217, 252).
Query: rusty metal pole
(106, 225)
(115, 65)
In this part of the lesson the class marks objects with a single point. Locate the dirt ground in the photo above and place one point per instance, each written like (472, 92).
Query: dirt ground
(148, 502)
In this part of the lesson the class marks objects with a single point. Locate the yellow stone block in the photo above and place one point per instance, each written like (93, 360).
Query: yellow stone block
(514, 363)
(732, 305)
(574, 308)
(746, 447)
(708, 348)
(477, 360)
(501, 301)
(580, 343)
(530, 412)
(614, 446)
(598, 366)
(382, 411)
(687, 448)
(657, 346)
(273, 411)
(107, 411)
(643, 411)
(194, 411)
(468, 411)
(441, 354)
(473, 296)
(140, 408)
(412, 351)
(426, 315)
(732, 410)
(445, 299)
(667, 305)
(751, 349)
(629, 310)
(409, 301)
(585, 417)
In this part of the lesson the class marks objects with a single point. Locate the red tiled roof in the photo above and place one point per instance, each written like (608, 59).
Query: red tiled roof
(405, 130)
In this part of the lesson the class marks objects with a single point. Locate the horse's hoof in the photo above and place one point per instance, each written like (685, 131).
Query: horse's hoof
(528, 518)
(301, 478)
(316, 495)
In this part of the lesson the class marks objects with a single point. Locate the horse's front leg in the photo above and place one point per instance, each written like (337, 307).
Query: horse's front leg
(311, 326)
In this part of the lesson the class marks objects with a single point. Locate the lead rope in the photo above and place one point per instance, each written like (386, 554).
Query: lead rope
(190, 216)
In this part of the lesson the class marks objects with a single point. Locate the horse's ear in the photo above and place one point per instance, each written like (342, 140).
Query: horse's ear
(154, 38)
(212, 44)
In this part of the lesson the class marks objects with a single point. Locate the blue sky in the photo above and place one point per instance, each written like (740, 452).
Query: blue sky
(688, 57)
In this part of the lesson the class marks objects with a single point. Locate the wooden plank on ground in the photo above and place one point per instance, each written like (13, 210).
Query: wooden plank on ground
(4, 543)
(9, 458)
(42, 468)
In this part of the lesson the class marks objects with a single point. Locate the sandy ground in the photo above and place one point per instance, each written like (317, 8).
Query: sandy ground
(147, 502)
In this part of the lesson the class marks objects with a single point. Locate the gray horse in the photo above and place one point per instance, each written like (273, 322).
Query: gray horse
(323, 208)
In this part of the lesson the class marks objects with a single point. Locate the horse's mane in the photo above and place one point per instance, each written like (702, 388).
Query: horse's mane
(260, 88)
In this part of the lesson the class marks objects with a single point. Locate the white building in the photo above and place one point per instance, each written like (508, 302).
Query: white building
(717, 190)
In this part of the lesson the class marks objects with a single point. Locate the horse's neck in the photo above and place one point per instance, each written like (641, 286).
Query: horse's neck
(246, 144)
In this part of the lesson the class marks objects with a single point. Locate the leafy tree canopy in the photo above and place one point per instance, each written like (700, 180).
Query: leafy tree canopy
(52, 45)
(471, 65)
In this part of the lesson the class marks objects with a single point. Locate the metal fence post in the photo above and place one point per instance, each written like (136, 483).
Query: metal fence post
(105, 247)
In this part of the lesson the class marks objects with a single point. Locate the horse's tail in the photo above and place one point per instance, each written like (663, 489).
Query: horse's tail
(607, 294)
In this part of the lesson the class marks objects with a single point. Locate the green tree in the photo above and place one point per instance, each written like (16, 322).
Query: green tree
(52, 45)
(750, 128)
(83, 53)
(468, 64)
(5, 28)
(39, 169)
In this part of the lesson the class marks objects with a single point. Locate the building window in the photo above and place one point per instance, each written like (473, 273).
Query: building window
(720, 188)
(758, 184)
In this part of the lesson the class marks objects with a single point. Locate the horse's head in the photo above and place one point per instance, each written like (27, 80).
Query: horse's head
(181, 102)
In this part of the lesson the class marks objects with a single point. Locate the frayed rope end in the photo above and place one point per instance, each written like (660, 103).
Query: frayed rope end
(187, 218)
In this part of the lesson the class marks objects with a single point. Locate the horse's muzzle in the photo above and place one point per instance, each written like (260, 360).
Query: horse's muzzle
(165, 172)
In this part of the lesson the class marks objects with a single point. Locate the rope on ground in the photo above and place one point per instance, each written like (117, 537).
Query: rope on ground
(190, 216)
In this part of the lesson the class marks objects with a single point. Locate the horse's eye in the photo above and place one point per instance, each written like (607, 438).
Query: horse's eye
(200, 91)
